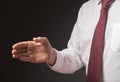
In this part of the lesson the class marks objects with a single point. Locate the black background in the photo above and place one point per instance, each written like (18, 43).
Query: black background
(24, 19)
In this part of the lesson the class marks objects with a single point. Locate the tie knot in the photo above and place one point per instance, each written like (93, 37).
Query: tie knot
(106, 3)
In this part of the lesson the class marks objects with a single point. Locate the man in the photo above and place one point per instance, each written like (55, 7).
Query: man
(77, 54)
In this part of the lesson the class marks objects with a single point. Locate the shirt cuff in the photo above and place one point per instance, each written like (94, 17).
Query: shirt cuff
(58, 63)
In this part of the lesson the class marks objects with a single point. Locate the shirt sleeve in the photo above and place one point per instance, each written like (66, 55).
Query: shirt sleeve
(69, 59)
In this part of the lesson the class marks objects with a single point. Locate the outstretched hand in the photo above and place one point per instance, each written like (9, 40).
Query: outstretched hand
(37, 51)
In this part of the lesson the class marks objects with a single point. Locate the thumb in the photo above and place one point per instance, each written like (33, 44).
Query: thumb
(42, 40)
(37, 39)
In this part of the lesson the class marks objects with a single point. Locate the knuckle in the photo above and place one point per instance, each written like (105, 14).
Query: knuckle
(44, 38)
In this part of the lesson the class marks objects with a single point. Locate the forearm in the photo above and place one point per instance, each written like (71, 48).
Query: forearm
(67, 62)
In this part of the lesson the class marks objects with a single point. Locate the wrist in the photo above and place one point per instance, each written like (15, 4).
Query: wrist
(53, 58)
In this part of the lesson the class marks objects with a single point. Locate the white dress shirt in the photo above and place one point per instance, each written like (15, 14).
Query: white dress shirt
(76, 55)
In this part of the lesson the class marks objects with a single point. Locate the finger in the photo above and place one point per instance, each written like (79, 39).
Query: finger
(28, 59)
(23, 58)
(41, 40)
(19, 51)
(20, 45)
(16, 56)
(37, 39)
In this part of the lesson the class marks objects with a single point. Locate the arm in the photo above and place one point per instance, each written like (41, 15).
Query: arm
(40, 51)
(69, 60)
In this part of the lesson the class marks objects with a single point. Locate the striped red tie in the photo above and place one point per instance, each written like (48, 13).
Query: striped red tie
(95, 61)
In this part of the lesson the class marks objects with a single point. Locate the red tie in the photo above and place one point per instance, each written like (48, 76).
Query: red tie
(95, 61)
